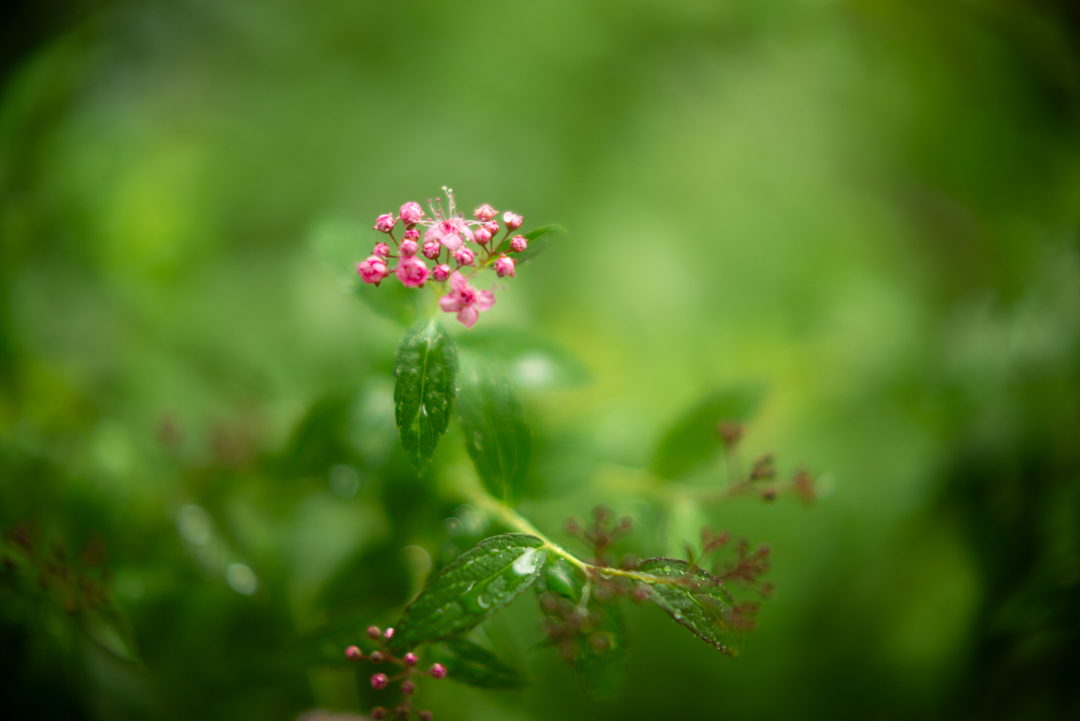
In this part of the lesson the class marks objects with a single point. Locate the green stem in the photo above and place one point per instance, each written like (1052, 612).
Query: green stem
(514, 520)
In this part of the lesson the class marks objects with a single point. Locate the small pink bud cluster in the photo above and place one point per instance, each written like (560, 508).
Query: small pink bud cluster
(446, 234)
(379, 681)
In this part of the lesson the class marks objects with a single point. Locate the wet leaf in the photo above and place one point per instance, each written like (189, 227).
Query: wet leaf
(477, 584)
(694, 599)
(692, 442)
(474, 665)
(593, 639)
(497, 437)
(424, 368)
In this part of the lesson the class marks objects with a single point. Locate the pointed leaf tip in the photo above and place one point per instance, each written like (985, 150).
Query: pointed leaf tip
(424, 368)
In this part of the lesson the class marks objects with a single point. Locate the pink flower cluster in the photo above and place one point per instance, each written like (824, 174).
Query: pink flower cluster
(447, 235)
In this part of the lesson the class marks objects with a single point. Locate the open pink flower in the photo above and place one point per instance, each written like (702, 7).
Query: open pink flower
(372, 270)
(465, 300)
(451, 232)
(412, 272)
(448, 227)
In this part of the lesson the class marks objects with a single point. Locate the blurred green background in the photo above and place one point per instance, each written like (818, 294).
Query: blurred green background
(870, 206)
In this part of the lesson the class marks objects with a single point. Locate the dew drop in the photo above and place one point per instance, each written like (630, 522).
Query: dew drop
(525, 563)
(482, 602)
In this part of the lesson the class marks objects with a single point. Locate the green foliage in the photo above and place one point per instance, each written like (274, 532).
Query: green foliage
(339, 243)
(694, 599)
(539, 241)
(497, 437)
(108, 626)
(474, 587)
(474, 665)
(692, 441)
(592, 638)
(163, 336)
(391, 300)
(425, 368)
(529, 359)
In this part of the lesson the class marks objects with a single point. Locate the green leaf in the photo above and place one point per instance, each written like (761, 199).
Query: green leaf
(425, 367)
(325, 644)
(474, 665)
(108, 626)
(496, 436)
(391, 300)
(593, 639)
(530, 360)
(339, 243)
(477, 584)
(692, 442)
(539, 241)
(694, 599)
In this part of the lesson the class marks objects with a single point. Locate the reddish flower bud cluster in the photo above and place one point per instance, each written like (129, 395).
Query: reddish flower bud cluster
(450, 233)
(730, 432)
(745, 567)
(380, 681)
(602, 533)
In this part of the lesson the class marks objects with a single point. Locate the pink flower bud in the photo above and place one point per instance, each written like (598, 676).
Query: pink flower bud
(389, 633)
(410, 659)
(485, 212)
(426, 716)
(432, 248)
(518, 243)
(412, 234)
(372, 270)
(412, 273)
(464, 256)
(381, 249)
(513, 222)
(353, 653)
(385, 223)
(378, 713)
(408, 688)
(481, 236)
(492, 228)
(379, 681)
(377, 657)
(408, 248)
(441, 272)
(504, 266)
(411, 213)
(438, 671)
(373, 632)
